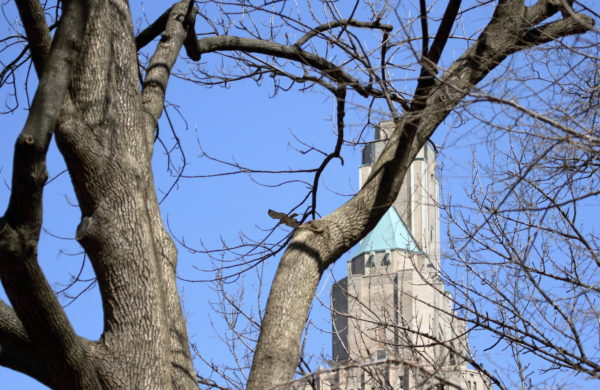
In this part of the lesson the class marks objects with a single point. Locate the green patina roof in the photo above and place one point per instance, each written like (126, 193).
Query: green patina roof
(390, 233)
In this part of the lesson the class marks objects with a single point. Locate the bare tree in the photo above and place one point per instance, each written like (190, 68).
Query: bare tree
(105, 125)
(528, 250)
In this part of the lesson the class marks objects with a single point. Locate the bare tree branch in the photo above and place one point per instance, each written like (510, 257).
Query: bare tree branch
(309, 253)
(341, 23)
(295, 53)
(37, 32)
(159, 68)
(29, 292)
(153, 30)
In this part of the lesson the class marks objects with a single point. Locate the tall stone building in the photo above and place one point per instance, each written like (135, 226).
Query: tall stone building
(392, 319)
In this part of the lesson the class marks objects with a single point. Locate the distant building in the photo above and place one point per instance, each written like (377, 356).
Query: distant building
(392, 320)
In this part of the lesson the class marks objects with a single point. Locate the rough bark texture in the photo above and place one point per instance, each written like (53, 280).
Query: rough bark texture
(40, 313)
(106, 134)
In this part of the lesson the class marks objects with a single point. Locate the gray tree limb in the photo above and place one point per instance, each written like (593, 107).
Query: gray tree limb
(16, 351)
(291, 52)
(180, 16)
(36, 31)
(309, 254)
(31, 296)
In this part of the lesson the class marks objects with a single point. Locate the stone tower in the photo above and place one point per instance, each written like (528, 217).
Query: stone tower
(392, 319)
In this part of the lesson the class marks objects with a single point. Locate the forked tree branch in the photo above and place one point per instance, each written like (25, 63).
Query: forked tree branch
(332, 71)
(196, 47)
(30, 294)
(432, 56)
(153, 30)
(310, 253)
(342, 23)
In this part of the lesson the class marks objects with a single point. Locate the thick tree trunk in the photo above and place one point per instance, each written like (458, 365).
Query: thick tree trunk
(104, 136)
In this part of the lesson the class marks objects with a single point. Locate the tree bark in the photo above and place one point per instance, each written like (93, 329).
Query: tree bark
(49, 332)
(106, 134)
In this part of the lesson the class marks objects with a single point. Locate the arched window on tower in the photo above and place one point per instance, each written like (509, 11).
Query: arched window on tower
(386, 259)
(371, 260)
